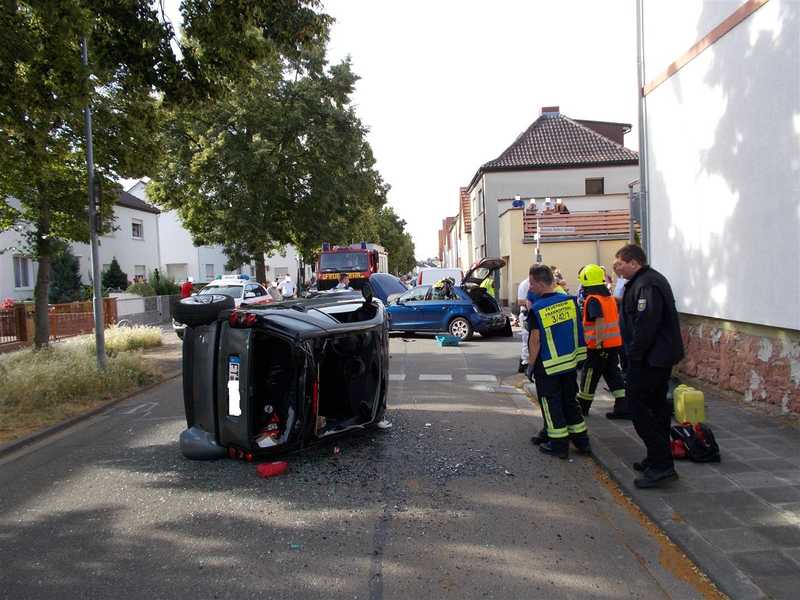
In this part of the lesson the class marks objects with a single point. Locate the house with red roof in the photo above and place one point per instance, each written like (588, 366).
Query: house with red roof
(583, 163)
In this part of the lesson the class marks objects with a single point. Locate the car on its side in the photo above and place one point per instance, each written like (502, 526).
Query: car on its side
(238, 287)
(461, 310)
(260, 380)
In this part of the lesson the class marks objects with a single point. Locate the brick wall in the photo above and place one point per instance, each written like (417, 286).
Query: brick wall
(760, 363)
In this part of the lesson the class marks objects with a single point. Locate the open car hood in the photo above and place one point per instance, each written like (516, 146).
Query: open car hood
(482, 269)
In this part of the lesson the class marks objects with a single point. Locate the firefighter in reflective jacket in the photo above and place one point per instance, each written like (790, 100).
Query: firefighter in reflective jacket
(603, 341)
(556, 349)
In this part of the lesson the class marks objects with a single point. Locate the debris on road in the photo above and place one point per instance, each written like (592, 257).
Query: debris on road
(272, 469)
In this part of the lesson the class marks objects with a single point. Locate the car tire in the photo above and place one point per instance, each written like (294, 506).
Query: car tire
(201, 310)
(461, 328)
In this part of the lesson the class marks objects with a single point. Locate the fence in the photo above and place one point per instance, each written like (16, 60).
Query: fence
(17, 325)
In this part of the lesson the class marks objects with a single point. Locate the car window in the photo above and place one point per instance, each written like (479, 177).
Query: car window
(234, 291)
(418, 294)
(256, 289)
(388, 283)
(443, 293)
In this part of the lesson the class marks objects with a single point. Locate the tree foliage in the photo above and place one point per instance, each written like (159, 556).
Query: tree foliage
(44, 88)
(280, 159)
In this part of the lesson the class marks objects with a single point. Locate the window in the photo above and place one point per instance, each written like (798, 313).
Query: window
(209, 272)
(281, 272)
(595, 186)
(137, 229)
(256, 289)
(418, 294)
(139, 273)
(106, 267)
(22, 272)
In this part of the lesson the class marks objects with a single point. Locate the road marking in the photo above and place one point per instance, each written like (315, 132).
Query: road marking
(147, 406)
(397, 376)
(491, 378)
(428, 377)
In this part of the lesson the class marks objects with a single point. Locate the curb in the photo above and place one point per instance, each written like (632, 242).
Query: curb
(32, 438)
(726, 576)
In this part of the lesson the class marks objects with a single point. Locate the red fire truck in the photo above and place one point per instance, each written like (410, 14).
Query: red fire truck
(359, 261)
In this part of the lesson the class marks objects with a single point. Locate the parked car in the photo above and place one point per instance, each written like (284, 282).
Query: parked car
(261, 380)
(460, 310)
(431, 275)
(238, 287)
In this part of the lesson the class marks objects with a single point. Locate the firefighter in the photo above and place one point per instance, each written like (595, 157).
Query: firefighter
(603, 343)
(488, 285)
(556, 348)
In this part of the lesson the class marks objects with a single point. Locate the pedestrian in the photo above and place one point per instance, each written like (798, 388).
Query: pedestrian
(286, 287)
(344, 282)
(522, 301)
(601, 330)
(186, 288)
(561, 283)
(556, 349)
(653, 344)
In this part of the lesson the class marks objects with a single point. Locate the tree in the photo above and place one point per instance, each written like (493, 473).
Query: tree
(397, 241)
(114, 277)
(65, 283)
(44, 88)
(276, 160)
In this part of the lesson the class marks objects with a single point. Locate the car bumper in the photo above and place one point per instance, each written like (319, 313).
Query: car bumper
(490, 323)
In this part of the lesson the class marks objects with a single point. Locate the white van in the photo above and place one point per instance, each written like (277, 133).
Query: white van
(433, 274)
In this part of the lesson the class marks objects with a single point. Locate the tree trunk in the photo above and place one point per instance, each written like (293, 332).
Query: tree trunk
(41, 336)
(261, 271)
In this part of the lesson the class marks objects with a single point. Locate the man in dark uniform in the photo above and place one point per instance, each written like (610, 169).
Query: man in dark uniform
(653, 344)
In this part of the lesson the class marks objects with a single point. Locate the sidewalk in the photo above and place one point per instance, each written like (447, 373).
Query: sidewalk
(739, 519)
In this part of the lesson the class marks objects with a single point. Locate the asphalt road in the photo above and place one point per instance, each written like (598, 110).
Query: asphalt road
(452, 502)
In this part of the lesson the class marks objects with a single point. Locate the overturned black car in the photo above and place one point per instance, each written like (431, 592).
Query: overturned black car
(263, 380)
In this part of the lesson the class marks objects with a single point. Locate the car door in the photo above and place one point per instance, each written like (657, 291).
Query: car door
(405, 313)
(434, 310)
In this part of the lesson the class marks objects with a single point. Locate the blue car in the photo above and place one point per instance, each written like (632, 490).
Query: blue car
(461, 311)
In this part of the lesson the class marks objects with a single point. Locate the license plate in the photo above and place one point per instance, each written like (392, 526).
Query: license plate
(234, 398)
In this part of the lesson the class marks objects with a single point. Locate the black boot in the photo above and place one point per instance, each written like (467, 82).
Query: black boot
(585, 405)
(557, 448)
(581, 443)
(621, 410)
(655, 477)
(522, 367)
(540, 438)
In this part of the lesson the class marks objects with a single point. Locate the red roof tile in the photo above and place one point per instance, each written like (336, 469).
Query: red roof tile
(554, 141)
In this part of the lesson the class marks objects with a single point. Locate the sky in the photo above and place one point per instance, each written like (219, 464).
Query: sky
(447, 85)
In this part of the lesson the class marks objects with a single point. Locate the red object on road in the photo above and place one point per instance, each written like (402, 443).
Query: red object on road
(272, 469)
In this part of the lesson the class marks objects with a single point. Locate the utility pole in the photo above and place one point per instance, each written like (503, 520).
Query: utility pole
(644, 182)
(99, 323)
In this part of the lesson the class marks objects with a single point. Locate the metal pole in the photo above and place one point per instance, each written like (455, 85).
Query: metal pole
(99, 323)
(644, 188)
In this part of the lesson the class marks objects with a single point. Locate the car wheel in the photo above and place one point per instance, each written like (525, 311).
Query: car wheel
(201, 310)
(461, 328)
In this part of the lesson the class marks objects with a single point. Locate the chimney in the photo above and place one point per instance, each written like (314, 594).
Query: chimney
(550, 110)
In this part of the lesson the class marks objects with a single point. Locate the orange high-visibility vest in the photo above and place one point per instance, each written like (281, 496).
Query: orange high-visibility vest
(603, 332)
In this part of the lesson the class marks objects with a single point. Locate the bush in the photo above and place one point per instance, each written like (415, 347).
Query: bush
(164, 286)
(46, 386)
(65, 277)
(141, 289)
(114, 277)
(119, 339)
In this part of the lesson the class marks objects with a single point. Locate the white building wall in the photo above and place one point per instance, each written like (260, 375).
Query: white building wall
(569, 184)
(11, 245)
(129, 251)
(724, 160)
(278, 265)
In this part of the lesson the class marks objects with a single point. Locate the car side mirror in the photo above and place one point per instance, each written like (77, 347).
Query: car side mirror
(249, 295)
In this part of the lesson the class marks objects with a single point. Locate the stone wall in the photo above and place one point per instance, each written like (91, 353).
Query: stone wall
(761, 364)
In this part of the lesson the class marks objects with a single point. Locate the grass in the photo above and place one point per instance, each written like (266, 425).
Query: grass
(44, 387)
